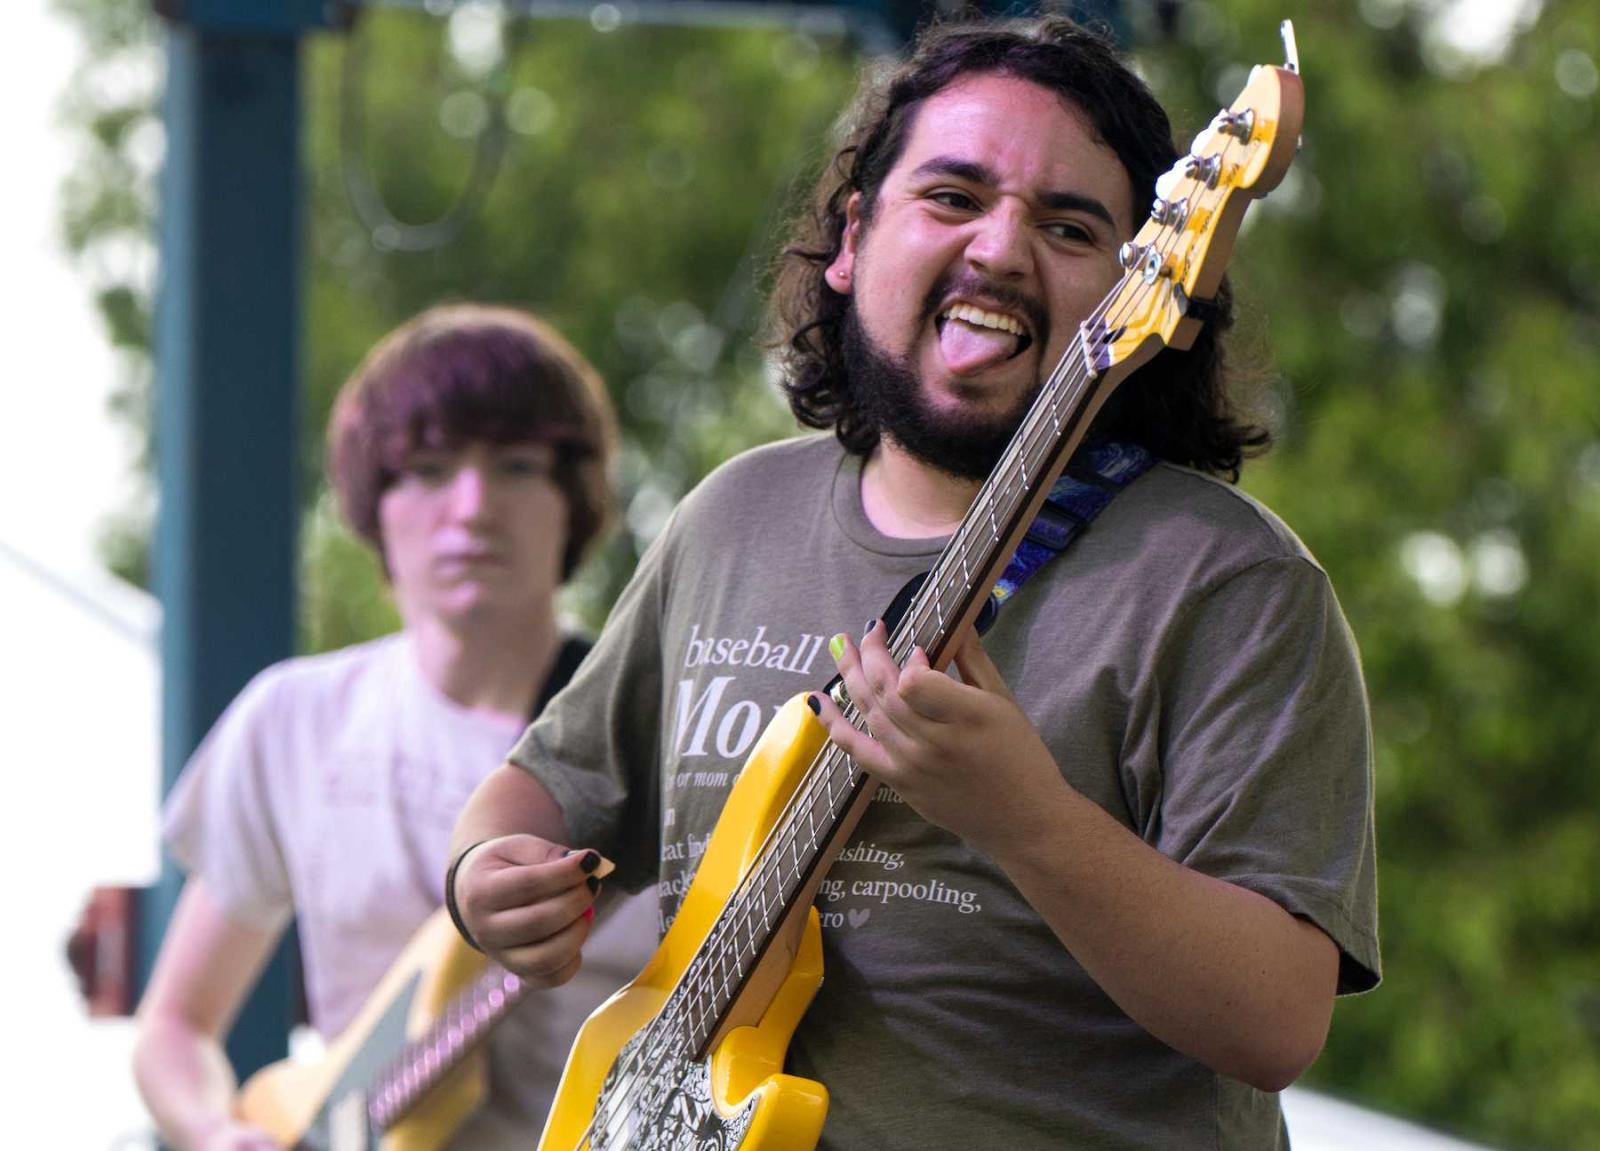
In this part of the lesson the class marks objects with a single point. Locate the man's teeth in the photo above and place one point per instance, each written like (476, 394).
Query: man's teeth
(979, 318)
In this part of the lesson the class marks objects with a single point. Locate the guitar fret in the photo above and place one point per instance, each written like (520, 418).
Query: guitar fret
(420, 1062)
(736, 939)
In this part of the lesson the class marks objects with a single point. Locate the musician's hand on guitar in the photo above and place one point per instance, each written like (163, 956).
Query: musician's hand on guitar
(528, 903)
(963, 755)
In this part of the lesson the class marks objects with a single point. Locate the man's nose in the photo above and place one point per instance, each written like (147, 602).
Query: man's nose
(1000, 243)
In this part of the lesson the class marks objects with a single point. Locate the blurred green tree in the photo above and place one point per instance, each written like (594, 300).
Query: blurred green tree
(1429, 283)
(1421, 298)
(621, 210)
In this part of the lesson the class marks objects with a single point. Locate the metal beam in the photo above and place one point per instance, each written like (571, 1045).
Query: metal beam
(227, 377)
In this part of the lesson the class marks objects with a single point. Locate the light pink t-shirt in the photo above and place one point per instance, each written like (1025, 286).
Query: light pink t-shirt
(328, 790)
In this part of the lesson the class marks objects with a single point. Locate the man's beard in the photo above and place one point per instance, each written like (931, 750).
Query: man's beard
(891, 399)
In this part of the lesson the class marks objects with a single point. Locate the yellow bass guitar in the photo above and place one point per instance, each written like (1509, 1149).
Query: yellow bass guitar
(409, 1068)
(689, 1057)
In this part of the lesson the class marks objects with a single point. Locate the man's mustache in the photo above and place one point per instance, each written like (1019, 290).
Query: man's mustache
(979, 289)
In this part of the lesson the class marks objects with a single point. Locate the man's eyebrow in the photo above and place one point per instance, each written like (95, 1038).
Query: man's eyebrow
(977, 173)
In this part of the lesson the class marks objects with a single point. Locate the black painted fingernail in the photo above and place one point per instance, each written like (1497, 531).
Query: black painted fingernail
(594, 885)
(814, 704)
(871, 623)
(590, 860)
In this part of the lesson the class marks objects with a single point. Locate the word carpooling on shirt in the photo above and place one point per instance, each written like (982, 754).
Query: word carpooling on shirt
(715, 724)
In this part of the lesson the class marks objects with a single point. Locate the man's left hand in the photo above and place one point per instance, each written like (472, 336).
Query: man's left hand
(963, 755)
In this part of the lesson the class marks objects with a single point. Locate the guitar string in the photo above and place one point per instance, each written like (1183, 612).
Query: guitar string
(397, 1076)
(1065, 373)
(411, 1074)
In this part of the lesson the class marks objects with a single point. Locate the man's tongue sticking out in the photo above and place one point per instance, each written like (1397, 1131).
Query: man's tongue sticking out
(969, 348)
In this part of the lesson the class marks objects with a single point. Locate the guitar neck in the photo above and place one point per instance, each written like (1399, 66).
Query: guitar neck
(424, 1061)
(823, 808)
(963, 577)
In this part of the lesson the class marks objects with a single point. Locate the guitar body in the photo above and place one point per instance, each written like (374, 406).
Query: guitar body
(321, 1106)
(739, 1096)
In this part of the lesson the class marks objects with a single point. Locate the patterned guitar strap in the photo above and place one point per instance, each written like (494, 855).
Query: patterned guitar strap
(1092, 478)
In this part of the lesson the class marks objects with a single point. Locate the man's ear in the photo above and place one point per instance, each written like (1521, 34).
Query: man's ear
(840, 273)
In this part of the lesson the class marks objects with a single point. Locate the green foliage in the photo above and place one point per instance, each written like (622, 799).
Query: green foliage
(108, 209)
(645, 173)
(623, 212)
(1430, 283)
(1423, 296)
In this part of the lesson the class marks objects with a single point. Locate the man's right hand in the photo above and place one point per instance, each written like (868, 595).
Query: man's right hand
(528, 903)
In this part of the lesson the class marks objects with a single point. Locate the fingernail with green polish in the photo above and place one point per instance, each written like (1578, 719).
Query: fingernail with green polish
(836, 646)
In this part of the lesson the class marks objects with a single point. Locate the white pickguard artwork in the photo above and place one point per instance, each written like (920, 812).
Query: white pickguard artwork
(663, 1104)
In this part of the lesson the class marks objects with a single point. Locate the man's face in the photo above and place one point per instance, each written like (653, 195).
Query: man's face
(993, 236)
(474, 532)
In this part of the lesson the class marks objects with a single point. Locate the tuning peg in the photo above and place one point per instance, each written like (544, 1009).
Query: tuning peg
(1130, 254)
(1206, 169)
(1156, 265)
(1239, 125)
(1170, 212)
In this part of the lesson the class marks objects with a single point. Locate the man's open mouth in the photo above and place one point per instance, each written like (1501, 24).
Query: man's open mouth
(974, 338)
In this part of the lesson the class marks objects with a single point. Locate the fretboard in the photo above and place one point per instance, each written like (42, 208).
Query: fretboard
(424, 1061)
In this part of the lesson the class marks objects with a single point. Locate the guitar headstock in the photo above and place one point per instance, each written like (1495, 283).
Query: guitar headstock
(1178, 257)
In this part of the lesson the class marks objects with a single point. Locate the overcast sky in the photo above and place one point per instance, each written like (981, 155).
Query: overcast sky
(62, 463)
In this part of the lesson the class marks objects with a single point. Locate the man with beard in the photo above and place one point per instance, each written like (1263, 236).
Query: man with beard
(1124, 863)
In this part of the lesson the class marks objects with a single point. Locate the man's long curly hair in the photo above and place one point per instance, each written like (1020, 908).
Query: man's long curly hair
(1177, 405)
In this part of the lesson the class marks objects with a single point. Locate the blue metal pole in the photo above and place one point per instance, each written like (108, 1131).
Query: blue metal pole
(227, 375)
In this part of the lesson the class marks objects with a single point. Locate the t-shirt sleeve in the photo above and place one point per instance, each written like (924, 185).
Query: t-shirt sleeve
(218, 822)
(596, 746)
(1266, 754)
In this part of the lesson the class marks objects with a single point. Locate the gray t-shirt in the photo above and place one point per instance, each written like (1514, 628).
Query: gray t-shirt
(1188, 666)
(328, 791)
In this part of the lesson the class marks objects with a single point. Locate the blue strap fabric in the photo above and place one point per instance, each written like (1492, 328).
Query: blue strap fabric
(1093, 477)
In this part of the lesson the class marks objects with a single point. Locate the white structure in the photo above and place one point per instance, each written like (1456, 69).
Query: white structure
(79, 697)
(1321, 1123)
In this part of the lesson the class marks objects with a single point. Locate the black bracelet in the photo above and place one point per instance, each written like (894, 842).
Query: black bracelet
(450, 897)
